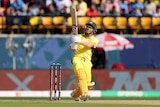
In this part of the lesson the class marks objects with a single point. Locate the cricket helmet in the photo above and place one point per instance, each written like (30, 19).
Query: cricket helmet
(94, 26)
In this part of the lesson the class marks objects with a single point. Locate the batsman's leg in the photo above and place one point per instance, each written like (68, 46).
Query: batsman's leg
(82, 82)
(76, 94)
(82, 88)
(87, 67)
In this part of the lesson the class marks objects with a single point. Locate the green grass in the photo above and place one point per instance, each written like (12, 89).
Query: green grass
(42, 104)
(67, 102)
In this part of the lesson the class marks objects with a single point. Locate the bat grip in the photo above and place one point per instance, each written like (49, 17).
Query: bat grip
(74, 28)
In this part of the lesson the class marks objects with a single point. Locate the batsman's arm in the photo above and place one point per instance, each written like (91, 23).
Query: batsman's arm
(77, 40)
(87, 44)
(90, 44)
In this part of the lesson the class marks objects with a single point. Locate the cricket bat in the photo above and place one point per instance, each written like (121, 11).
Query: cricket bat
(74, 21)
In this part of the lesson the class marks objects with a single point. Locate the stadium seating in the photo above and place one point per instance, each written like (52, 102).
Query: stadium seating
(146, 23)
(134, 24)
(68, 24)
(156, 24)
(33, 22)
(2, 23)
(47, 24)
(25, 25)
(107, 23)
(14, 24)
(121, 24)
(69, 21)
(59, 22)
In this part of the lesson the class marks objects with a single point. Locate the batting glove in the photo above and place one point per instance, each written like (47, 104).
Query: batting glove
(76, 39)
(73, 46)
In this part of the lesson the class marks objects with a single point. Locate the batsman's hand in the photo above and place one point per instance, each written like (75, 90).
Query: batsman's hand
(74, 30)
(76, 39)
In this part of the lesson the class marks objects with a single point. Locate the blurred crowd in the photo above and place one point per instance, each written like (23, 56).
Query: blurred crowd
(84, 7)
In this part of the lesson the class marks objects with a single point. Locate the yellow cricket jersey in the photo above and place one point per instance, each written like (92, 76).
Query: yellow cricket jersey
(83, 51)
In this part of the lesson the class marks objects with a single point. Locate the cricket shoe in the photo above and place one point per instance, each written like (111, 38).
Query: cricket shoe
(85, 97)
(90, 85)
(75, 99)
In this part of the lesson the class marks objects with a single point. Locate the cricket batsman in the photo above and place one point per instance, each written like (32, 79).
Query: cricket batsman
(82, 44)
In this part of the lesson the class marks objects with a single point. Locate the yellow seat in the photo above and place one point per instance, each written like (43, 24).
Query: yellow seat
(59, 23)
(146, 23)
(33, 21)
(98, 21)
(69, 21)
(2, 23)
(69, 24)
(47, 23)
(121, 23)
(156, 24)
(134, 24)
(109, 23)
(82, 21)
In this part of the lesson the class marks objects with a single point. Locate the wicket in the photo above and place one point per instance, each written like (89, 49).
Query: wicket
(55, 80)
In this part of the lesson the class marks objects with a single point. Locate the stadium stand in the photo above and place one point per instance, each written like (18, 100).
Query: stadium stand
(47, 24)
(16, 21)
(109, 23)
(2, 23)
(156, 24)
(59, 22)
(133, 23)
(121, 24)
(146, 24)
(33, 22)
(69, 24)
